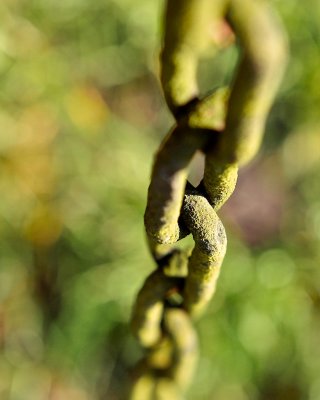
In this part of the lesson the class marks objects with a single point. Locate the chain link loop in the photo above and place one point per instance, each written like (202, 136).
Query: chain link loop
(227, 126)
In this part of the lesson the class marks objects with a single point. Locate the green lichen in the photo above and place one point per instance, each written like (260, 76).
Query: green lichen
(148, 310)
(188, 27)
(227, 125)
(168, 183)
(171, 361)
(210, 112)
(219, 180)
(207, 256)
(263, 47)
(178, 325)
(198, 130)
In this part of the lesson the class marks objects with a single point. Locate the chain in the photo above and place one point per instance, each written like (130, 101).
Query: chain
(227, 126)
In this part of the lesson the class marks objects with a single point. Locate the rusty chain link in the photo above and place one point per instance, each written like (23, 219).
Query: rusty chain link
(227, 126)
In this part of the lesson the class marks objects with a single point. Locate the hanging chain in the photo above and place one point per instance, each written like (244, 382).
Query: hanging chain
(227, 126)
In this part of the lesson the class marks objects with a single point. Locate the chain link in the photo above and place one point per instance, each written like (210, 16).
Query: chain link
(227, 126)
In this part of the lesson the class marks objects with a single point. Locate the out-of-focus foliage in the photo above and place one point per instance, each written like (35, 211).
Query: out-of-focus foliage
(81, 113)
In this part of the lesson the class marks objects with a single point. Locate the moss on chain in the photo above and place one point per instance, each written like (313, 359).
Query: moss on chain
(151, 387)
(168, 183)
(209, 112)
(207, 256)
(219, 180)
(227, 125)
(148, 310)
(263, 58)
(172, 359)
(198, 130)
(187, 34)
(178, 326)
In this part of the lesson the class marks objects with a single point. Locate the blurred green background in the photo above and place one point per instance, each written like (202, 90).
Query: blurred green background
(81, 114)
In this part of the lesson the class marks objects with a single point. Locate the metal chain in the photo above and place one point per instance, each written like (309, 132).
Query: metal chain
(227, 126)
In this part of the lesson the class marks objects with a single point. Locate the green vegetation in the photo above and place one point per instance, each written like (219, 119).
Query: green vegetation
(81, 115)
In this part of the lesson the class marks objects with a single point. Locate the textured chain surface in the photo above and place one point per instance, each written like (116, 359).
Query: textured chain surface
(227, 126)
